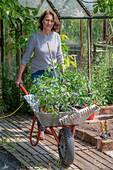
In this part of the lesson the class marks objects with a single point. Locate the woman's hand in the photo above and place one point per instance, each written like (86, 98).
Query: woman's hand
(18, 81)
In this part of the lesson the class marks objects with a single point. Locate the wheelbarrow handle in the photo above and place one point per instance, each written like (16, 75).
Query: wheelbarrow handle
(23, 89)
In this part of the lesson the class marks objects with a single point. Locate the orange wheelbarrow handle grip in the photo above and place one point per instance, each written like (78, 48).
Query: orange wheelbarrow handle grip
(23, 89)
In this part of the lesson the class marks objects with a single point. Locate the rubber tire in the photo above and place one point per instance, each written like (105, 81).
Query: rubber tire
(67, 151)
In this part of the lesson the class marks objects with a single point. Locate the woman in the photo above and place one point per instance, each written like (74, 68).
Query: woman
(49, 26)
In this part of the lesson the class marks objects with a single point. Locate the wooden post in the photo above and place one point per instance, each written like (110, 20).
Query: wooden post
(2, 43)
(89, 53)
(9, 53)
(94, 53)
(104, 29)
(111, 28)
(17, 31)
(2, 59)
(81, 37)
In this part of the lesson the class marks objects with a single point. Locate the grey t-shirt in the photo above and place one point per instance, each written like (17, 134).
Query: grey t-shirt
(38, 44)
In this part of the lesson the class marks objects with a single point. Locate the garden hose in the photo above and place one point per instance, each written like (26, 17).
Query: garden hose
(13, 112)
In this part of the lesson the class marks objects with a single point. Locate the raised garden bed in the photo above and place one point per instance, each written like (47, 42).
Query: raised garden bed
(90, 131)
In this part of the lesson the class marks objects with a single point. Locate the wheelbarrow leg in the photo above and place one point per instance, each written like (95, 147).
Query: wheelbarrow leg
(55, 135)
(38, 136)
(72, 129)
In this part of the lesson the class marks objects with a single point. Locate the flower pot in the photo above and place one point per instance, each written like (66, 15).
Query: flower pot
(92, 116)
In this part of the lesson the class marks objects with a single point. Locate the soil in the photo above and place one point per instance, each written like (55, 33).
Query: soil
(94, 125)
(95, 128)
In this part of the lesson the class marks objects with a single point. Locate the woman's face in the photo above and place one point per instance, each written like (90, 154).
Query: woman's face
(48, 22)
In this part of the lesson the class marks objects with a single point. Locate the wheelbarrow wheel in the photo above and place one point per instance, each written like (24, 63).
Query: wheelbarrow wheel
(67, 148)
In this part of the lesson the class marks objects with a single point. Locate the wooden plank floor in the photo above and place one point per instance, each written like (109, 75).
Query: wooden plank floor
(14, 135)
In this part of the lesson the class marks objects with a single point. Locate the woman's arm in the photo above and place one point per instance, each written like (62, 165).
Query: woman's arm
(19, 79)
(26, 58)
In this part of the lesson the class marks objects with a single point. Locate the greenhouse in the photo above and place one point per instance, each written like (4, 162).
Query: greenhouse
(80, 95)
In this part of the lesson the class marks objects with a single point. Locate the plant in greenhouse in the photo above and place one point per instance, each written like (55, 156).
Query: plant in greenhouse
(102, 83)
(68, 59)
(14, 15)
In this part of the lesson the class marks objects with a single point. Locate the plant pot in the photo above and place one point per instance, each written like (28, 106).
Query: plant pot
(91, 117)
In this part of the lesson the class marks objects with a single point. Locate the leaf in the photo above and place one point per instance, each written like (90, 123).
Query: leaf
(35, 12)
(73, 63)
(14, 22)
(9, 47)
(42, 103)
(27, 11)
(20, 17)
(63, 37)
(95, 10)
(27, 7)
(54, 115)
(71, 57)
(11, 4)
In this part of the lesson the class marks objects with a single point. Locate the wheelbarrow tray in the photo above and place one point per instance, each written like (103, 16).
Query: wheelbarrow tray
(63, 118)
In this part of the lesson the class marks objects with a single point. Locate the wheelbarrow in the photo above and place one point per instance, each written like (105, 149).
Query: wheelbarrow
(66, 120)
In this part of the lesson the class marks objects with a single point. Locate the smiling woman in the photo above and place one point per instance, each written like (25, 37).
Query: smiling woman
(49, 18)
(48, 23)
(49, 28)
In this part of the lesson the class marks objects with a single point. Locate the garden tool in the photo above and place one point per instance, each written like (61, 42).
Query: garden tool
(106, 129)
(102, 127)
(105, 133)
(51, 60)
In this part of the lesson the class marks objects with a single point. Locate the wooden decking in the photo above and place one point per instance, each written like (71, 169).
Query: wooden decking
(14, 135)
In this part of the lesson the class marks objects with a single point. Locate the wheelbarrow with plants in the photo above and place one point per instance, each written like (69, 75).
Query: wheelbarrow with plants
(66, 120)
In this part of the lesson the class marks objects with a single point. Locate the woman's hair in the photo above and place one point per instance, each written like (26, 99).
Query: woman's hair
(56, 26)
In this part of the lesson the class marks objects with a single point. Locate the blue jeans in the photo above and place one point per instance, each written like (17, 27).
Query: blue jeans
(36, 75)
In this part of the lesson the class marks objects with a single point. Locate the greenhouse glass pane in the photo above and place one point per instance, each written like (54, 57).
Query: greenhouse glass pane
(65, 8)
(45, 6)
(69, 8)
(42, 5)
(29, 3)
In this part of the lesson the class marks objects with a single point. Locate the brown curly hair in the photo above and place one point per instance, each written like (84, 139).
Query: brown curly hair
(56, 26)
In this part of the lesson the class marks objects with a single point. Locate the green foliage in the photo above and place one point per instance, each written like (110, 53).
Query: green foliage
(12, 96)
(68, 59)
(15, 14)
(10, 92)
(104, 6)
(102, 83)
(71, 28)
(65, 92)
